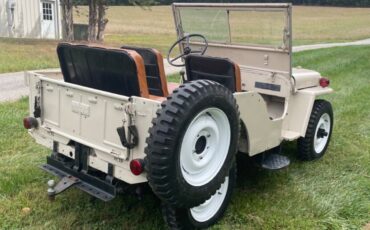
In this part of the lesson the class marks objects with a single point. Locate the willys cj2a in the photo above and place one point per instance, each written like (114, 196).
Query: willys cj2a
(114, 123)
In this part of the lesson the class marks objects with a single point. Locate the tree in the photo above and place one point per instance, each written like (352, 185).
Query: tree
(92, 20)
(67, 15)
(102, 20)
(97, 19)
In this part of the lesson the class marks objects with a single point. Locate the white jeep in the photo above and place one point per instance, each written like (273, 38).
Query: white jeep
(113, 121)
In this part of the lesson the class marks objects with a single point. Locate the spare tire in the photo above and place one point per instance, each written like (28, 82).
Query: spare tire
(192, 143)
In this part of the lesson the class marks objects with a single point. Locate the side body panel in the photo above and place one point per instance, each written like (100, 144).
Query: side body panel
(262, 132)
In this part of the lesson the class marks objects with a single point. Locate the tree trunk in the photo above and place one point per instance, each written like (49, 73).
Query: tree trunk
(92, 20)
(102, 20)
(67, 14)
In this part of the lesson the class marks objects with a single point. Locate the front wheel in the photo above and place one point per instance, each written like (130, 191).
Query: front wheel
(319, 130)
(203, 215)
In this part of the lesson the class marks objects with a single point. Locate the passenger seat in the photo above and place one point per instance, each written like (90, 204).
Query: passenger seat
(113, 70)
(154, 68)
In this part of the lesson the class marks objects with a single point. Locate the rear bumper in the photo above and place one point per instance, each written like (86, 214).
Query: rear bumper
(101, 189)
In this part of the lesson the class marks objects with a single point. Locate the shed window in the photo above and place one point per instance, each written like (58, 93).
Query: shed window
(47, 12)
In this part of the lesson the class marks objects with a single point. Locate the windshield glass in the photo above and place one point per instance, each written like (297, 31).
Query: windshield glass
(211, 23)
(239, 26)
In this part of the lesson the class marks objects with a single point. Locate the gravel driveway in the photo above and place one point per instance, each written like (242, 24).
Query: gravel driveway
(12, 86)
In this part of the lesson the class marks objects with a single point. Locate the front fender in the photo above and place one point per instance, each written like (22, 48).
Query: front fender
(299, 111)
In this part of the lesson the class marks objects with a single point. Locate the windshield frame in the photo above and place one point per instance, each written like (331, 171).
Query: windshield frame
(282, 56)
(268, 7)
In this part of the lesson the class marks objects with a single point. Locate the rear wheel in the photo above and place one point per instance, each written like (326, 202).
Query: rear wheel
(192, 143)
(204, 215)
(319, 129)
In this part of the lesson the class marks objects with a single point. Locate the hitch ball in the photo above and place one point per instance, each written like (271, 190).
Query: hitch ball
(51, 190)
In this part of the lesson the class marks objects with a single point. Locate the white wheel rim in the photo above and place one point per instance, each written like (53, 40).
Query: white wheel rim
(322, 133)
(205, 146)
(210, 207)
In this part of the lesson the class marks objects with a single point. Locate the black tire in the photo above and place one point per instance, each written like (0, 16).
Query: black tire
(181, 218)
(162, 162)
(306, 145)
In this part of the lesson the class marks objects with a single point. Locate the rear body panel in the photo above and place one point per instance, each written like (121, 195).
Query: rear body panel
(72, 113)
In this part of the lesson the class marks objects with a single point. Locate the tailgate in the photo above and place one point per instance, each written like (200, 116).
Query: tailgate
(91, 117)
(84, 115)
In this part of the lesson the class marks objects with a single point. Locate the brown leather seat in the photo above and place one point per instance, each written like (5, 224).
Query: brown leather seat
(154, 68)
(113, 70)
(221, 70)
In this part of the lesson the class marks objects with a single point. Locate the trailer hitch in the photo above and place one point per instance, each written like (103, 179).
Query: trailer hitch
(64, 184)
(101, 189)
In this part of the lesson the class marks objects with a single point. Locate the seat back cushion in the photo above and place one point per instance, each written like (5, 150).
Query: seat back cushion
(155, 75)
(220, 70)
(112, 70)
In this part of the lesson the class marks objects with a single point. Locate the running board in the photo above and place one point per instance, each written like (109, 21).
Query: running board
(70, 178)
(273, 161)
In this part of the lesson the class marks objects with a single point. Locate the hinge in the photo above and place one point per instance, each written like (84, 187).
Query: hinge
(37, 102)
(37, 107)
(130, 109)
(38, 86)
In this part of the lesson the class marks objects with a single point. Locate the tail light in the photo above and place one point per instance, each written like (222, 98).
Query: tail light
(30, 122)
(324, 82)
(137, 166)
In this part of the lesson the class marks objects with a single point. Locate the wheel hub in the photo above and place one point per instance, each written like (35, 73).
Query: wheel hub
(200, 145)
(322, 133)
(205, 146)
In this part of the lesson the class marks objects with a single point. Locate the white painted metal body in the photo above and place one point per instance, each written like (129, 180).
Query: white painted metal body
(91, 117)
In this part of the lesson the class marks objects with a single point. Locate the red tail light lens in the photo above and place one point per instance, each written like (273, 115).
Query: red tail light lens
(324, 82)
(30, 122)
(137, 166)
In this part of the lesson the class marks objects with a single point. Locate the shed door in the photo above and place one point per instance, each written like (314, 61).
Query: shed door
(48, 20)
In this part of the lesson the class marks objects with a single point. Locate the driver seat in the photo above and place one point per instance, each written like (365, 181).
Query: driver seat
(220, 70)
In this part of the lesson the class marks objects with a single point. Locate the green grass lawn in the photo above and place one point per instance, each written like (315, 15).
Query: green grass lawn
(311, 24)
(27, 54)
(331, 193)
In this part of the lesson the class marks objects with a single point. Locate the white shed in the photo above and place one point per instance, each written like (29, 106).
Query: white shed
(30, 19)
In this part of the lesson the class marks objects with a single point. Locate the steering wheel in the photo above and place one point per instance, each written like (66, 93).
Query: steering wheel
(186, 50)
